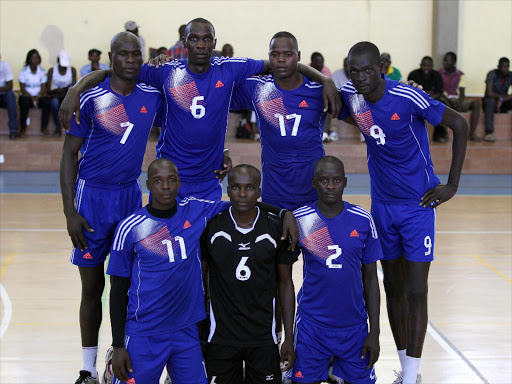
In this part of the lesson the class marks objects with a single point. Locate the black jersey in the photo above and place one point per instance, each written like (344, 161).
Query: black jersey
(242, 278)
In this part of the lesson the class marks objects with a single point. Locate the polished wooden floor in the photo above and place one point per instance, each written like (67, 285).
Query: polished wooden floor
(469, 338)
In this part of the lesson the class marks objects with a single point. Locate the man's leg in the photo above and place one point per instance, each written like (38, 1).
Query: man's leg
(489, 108)
(9, 100)
(93, 283)
(506, 106)
(44, 104)
(474, 106)
(54, 108)
(25, 103)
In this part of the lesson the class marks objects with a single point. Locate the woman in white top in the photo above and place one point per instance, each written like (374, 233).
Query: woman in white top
(60, 79)
(32, 80)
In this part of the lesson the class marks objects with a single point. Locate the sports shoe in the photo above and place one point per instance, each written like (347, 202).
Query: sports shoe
(86, 378)
(256, 137)
(400, 378)
(326, 138)
(108, 375)
(489, 138)
(333, 136)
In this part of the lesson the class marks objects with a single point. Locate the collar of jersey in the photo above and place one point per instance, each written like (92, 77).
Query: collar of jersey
(244, 230)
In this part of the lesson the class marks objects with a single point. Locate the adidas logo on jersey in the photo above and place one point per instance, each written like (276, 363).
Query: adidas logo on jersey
(143, 109)
(303, 104)
(354, 233)
(87, 256)
(298, 374)
(395, 116)
(219, 84)
(186, 225)
(131, 381)
(244, 246)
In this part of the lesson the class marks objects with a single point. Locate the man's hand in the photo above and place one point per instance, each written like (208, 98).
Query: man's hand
(121, 363)
(290, 228)
(331, 97)
(159, 60)
(70, 105)
(371, 344)
(412, 83)
(75, 224)
(287, 356)
(438, 195)
(227, 164)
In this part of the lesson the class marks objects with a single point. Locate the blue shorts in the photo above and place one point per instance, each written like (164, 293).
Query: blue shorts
(314, 347)
(179, 350)
(405, 229)
(103, 206)
(207, 190)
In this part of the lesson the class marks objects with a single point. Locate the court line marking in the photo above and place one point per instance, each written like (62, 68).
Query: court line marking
(6, 318)
(448, 346)
(492, 268)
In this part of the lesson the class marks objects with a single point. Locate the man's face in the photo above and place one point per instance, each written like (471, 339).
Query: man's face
(283, 57)
(317, 62)
(385, 65)
(243, 191)
(126, 59)
(448, 62)
(426, 66)
(227, 51)
(200, 42)
(364, 73)
(329, 182)
(503, 68)
(94, 57)
(163, 182)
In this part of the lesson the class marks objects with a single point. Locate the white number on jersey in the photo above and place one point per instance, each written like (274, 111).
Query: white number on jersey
(170, 251)
(296, 123)
(378, 134)
(127, 131)
(428, 245)
(333, 257)
(243, 268)
(197, 110)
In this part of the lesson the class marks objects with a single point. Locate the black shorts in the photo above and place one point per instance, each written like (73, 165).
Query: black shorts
(224, 364)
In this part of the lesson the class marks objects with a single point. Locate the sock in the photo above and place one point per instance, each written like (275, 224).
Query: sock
(411, 368)
(402, 356)
(89, 355)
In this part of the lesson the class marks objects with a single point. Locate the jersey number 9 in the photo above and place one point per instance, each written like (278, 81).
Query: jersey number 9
(378, 134)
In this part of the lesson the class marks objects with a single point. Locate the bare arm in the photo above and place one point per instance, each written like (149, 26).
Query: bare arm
(330, 95)
(372, 300)
(287, 300)
(444, 192)
(7, 87)
(23, 90)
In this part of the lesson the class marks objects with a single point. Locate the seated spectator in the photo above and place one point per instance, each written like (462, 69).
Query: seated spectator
(317, 62)
(94, 58)
(432, 83)
(131, 26)
(341, 76)
(162, 51)
(33, 80)
(178, 50)
(454, 87)
(60, 79)
(387, 69)
(7, 98)
(496, 98)
(227, 50)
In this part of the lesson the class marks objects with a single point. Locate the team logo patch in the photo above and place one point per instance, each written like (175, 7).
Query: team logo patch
(87, 256)
(354, 233)
(303, 104)
(269, 377)
(143, 109)
(244, 246)
(395, 116)
(219, 84)
(298, 374)
(186, 225)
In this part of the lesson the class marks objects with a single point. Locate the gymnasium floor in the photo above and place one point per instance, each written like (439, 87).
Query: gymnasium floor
(469, 338)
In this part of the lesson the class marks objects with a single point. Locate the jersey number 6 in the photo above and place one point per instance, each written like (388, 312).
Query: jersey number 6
(197, 110)
(126, 132)
(242, 271)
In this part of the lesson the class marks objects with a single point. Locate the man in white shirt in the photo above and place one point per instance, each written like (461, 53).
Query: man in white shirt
(7, 98)
(131, 26)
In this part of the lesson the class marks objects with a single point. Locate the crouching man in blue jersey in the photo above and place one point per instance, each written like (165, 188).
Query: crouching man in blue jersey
(157, 298)
(340, 291)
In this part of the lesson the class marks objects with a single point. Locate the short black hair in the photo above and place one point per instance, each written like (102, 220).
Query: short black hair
(427, 58)
(94, 50)
(328, 160)
(452, 54)
(30, 53)
(316, 54)
(365, 48)
(244, 168)
(199, 20)
(159, 163)
(287, 35)
(504, 60)
(120, 37)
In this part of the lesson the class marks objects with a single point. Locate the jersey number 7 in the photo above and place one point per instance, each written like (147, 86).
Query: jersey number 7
(296, 123)
(126, 132)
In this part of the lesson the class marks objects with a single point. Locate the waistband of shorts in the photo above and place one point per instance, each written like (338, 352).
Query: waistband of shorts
(107, 186)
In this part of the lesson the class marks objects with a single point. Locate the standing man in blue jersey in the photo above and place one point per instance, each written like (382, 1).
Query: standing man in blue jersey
(340, 247)
(102, 187)
(198, 93)
(404, 188)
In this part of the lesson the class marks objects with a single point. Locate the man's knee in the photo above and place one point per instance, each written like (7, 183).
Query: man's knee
(489, 104)
(55, 103)
(417, 294)
(474, 105)
(25, 101)
(93, 283)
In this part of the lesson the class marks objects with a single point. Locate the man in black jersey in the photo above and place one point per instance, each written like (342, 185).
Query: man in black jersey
(242, 253)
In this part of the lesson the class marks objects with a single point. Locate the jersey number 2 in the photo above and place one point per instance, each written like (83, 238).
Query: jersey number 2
(170, 251)
(334, 256)
(127, 131)
(296, 123)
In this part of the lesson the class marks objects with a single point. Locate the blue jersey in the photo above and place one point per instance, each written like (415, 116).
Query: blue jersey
(115, 130)
(195, 123)
(290, 124)
(161, 257)
(396, 136)
(334, 250)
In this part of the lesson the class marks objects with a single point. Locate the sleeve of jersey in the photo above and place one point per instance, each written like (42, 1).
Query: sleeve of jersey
(247, 68)
(241, 99)
(151, 75)
(80, 130)
(426, 107)
(121, 253)
(372, 250)
(214, 208)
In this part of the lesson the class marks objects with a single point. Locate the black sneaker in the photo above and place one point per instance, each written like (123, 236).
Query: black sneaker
(86, 378)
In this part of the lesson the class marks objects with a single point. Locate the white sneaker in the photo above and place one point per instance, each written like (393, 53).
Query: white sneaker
(108, 375)
(400, 378)
(333, 136)
(326, 138)
(255, 138)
